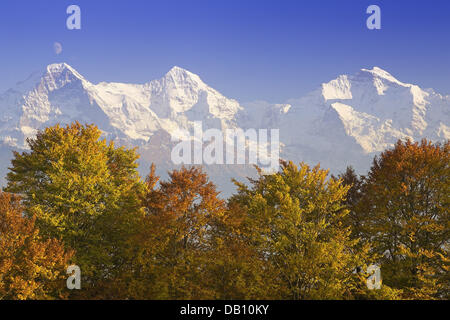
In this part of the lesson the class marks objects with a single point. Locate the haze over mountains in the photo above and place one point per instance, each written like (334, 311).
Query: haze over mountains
(344, 122)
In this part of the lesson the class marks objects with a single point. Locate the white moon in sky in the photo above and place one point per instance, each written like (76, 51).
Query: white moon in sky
(57, 47)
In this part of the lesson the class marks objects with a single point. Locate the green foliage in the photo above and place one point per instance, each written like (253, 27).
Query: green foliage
(84, 192)
(294, 221)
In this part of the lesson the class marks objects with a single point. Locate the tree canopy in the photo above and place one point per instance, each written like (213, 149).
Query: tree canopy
(406, 202)
(30, 266)
(83, 192)
(298, 233)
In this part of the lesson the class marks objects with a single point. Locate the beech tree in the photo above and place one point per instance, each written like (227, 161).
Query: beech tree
(294, 220)
(406, 202)
(85, 193)
(176, 238)
(30, 266)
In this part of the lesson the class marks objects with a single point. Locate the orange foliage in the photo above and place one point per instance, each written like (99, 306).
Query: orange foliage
(30, 268)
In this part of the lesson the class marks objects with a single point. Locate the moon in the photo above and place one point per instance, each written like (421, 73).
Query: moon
(57, 47)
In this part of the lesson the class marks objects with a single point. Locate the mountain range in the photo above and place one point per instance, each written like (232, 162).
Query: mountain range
(345, 121)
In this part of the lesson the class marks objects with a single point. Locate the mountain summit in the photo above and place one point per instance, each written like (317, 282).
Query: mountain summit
(345, 121)
(131, 112)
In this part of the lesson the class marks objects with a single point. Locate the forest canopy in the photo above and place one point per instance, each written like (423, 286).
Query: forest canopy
(76, 199)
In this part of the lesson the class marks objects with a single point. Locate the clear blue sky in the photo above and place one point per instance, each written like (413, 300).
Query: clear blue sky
(246, 49)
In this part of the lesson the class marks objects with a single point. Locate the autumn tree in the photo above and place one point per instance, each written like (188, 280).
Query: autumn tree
(406, 199)
(294, 219)
(84, 192)
(235, 267)
(177, 242)
(30, 266)
(355, 218)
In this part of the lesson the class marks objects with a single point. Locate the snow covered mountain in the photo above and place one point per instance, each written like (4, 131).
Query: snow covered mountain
(345, 121)
(133, 112)
(350, 119)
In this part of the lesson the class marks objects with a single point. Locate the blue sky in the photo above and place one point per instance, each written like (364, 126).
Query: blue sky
(246, 49)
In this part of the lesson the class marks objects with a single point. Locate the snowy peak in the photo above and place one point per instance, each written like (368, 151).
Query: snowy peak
(339, 88)
(367, 79)
(132, 112)
(381, 74)
(376, 109)
(53, 76)
(58, 69)
(183, 92)
(179, 75)
(60, 74)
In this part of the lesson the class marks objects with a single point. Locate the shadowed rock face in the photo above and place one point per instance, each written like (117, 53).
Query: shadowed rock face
(346, 121)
